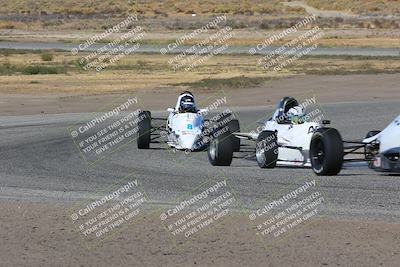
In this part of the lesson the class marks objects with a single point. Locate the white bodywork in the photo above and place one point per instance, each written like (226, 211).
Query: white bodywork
(389, 146)
(184, 129)
(293, 135)
(293, 140)
(388, 138)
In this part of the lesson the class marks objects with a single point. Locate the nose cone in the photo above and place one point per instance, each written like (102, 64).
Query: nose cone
(188, 141)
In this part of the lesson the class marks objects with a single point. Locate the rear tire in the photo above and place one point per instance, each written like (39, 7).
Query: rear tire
(234, 127)
(267, 150)
(326, 152)
(220, 150)
(144, 130)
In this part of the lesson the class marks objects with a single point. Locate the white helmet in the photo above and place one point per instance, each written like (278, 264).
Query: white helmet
(295, 114)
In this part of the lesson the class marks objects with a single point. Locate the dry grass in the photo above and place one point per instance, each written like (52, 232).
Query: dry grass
(174, 7)
(358, 6)
(177, 15)
(9, 25)
(327, 41)
(380, 42)
(166, 7)
(166, 14)
(143, 71)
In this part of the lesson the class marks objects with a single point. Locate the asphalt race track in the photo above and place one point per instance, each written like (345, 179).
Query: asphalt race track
(39, 163)
(321, 51)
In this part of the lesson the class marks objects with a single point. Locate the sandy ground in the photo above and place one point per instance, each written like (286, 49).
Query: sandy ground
(378, 87)
(42, 235)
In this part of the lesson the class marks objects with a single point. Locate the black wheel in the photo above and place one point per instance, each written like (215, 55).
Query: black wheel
(371, 150)
(234, 127)
(267, 149)
(220, 150)
(144, 130)
(326, 152)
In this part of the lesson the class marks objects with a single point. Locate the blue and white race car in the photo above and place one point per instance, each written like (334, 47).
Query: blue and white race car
(185, 127)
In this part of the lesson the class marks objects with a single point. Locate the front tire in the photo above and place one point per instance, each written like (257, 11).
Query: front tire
(220, 150)
(144, 130)
(267, 150)
(326, 152)
(233, 126)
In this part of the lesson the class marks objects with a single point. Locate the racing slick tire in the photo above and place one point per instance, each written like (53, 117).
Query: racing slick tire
(326, 152)
(144, 130)
(267, 149)
(369, 150)
(233, 126)
(220, 150)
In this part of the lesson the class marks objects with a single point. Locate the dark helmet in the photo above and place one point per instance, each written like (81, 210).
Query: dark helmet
(187, 103)
(284, 105)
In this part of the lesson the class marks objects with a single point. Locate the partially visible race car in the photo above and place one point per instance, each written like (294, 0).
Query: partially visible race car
(185, 127)
(381, 149)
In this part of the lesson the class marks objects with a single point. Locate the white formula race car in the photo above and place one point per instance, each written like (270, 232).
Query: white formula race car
(287, 139)
(184, 129)
(381, 149)
(290, 139)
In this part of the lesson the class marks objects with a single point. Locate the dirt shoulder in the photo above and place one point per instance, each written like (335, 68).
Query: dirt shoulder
(42, 235)
(327, 89)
